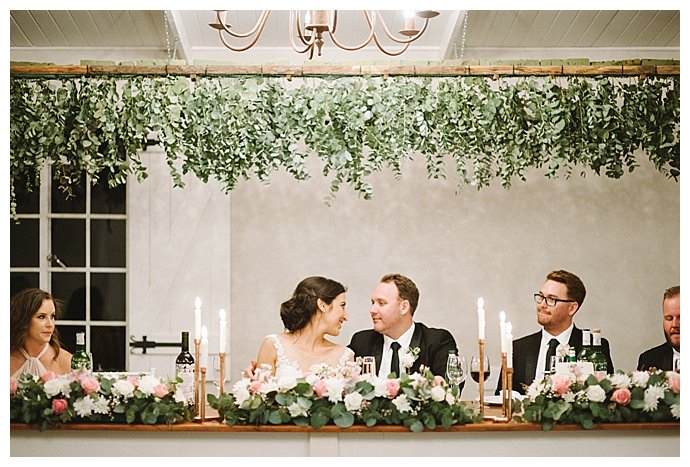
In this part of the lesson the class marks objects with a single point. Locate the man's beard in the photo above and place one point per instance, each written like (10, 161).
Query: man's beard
(668, 339)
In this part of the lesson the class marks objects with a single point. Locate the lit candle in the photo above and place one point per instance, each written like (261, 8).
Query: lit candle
(223, 330)
(203, 359)
(197, 318)
(502, 317)
(480, 314)
(509, 344)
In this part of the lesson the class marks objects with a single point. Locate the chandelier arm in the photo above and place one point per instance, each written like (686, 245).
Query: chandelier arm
(309, 44)
(402, 41)
(238, 49)
(383, 49)
(372, 34)
(261, 22)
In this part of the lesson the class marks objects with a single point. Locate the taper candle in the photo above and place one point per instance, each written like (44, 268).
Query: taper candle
(481, 317)
(502, 318)
(509, 344)
(204, 348)
(197, 318)
(223, 331)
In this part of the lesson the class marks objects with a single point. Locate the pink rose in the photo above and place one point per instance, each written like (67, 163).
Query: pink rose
(599, 376)
(59, 405)
(48, 375)
(674, 382)
(393, 386)
(89, 384)
(320, 388)
(255, 386)
(439, 381)
(133, 381)
(621, 396)
(561, 384)
(161, 390)
(13, 385)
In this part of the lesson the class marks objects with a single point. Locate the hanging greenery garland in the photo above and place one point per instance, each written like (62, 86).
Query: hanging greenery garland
(233, 128)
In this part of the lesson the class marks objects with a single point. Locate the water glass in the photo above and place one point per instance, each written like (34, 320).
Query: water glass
(368, 365)
(456, 371)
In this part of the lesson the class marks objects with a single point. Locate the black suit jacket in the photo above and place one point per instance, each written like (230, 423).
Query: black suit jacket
(659, 357)
(433, 344)
(526, 352)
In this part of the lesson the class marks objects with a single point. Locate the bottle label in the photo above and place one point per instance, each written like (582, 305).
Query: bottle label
(186, 373)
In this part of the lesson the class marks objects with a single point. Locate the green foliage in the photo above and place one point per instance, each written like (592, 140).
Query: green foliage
(229, 129)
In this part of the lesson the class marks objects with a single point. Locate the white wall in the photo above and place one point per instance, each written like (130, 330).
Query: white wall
(620, 236)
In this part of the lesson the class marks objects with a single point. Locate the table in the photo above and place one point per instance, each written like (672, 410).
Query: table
(214, 439)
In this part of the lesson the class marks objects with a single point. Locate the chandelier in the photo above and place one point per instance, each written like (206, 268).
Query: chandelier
(307, 30)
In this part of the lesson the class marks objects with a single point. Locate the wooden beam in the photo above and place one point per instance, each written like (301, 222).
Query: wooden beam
(439, 69)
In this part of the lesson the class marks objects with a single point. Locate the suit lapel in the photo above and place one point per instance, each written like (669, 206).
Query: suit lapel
(532, 356)
(377, 349)
(416, 341)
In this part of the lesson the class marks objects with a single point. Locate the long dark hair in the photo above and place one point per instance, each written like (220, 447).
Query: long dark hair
(23, 306)
(299, 309)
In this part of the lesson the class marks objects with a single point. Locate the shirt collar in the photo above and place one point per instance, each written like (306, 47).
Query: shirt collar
(563, 338)
(403, 340)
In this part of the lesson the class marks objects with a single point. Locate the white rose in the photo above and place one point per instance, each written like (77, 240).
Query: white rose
(596, 394)
(353, 401)
(123, 388)
(53, 387)
(450, 398)
(402, 404)
(438, 393)
(148, 383)
(380, 388)
(287, 382)
(407, 360)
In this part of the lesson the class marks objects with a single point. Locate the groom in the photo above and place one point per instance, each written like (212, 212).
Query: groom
(393, 304)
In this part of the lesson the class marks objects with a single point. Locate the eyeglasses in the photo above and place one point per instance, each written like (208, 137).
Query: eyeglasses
(550, 301)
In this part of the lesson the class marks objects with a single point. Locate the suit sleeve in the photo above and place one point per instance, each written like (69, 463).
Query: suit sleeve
(439, 360)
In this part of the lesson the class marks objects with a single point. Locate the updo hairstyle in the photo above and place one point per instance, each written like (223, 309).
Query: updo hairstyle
(298, 310)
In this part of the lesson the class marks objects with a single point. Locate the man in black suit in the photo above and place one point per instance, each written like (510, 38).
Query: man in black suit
(665, 355)
(393, 304)
(558, 300)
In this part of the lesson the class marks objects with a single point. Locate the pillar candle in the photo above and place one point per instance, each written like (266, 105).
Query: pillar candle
(223, 331)
(203, 351)
(197, 318)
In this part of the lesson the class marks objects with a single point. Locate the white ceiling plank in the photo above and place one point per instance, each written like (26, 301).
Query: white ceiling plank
(70, 29)
(534, 37)
(451, 43)
(178, 31)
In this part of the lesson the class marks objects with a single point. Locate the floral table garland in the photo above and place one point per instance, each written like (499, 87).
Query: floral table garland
(343, 397)
(640, 396)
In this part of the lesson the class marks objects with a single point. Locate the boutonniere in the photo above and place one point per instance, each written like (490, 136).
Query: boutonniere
(563, 351)
(409, 357)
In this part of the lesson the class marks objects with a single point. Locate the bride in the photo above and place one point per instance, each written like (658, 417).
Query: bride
(316, 308)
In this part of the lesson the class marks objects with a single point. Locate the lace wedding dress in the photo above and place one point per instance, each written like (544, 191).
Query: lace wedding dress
(284, 364)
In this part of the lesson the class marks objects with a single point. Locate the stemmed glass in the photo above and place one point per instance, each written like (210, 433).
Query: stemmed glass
(368, 365)
(456, 372)
(474, 368)
(676, 365)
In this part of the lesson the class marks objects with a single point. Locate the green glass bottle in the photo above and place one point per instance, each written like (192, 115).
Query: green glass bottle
(81, 361)
(597, 357)
(586, 349)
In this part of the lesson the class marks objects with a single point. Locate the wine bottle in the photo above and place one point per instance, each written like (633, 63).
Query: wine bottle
(583, 356)
(80, 359)
(184, 370)
(597, 357)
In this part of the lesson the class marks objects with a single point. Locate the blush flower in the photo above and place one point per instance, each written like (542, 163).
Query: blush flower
(621, 396)
(89, 384)
(48, 375)
(255, 386)
(320, 388)
(160, 391)
(13, 385)
(561, 384)
(59, 405)
(393, 386)
(674, 382)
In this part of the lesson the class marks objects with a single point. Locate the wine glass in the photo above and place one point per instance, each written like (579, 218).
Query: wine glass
(456, 371)
(215, 361)
(676, 365)
(474, 368)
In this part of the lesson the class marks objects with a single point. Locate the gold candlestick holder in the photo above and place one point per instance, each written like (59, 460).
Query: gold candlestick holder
(197, 343)
(506, 390)
(481, 377)
(202, 410)
(221, 384)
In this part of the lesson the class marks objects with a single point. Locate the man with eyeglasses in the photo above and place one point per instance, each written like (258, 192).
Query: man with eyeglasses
(558, 300)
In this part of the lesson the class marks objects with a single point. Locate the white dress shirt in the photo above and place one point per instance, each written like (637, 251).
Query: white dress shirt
(676, 357)
(404, 341)
(562, 339)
